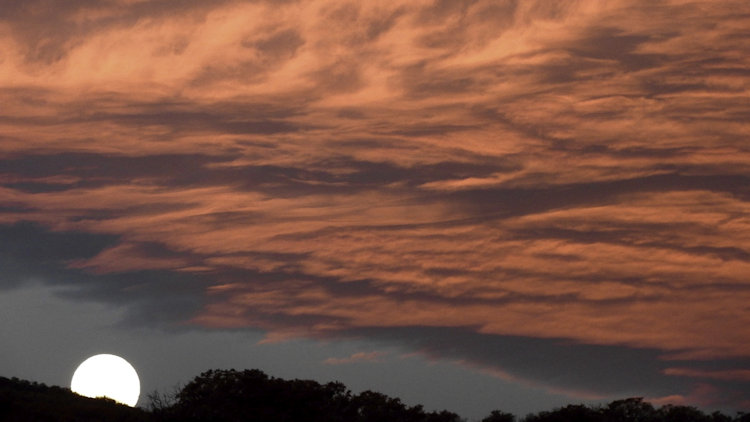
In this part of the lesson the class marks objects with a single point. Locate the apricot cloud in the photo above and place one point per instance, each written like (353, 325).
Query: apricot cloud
(568, 170)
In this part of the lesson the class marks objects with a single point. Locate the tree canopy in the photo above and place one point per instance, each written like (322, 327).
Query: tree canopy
(251, 395)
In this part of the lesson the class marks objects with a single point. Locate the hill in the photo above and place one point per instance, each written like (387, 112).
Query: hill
(22, 400)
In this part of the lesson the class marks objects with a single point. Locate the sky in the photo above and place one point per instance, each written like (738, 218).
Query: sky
(472, 205)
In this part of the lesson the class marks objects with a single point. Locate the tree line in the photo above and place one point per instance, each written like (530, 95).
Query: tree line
(251, 395)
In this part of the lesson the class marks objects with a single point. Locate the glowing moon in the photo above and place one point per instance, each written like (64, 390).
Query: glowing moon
(107, 376)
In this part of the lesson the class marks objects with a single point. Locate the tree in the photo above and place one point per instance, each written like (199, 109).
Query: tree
(499, 416)
(375, 407)
(569, 413)
(251, 395)
(159, 402)
(720, 417)
(671, 413)
(633, 409)
(442, 416)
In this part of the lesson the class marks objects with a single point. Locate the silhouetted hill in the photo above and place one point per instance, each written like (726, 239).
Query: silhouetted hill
(251, 395)
(30, 401)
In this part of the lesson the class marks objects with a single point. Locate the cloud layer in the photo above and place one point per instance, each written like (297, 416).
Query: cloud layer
(562, 181)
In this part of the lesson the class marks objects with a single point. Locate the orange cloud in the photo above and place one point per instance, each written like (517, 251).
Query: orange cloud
(356, 357)
(573, 170)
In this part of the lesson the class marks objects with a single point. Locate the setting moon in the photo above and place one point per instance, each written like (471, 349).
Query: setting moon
(107, 376)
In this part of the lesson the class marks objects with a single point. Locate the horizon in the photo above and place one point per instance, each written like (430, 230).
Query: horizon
(471, 204)
(211, 394)
(166, 403)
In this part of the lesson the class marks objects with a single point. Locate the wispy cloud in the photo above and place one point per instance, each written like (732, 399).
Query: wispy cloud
(356, 358)
(567, 170)
(727, 375)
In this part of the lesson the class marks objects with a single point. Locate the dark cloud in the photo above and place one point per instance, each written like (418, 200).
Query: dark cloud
(29, 253)
(528, 201)
(568, 366)
(627, 234)
(108, 169)
(607, 370)
(283, 44)
(49, 33)
(33, 173)
(612, 44)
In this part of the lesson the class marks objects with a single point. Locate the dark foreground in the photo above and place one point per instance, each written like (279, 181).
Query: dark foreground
(251, 395)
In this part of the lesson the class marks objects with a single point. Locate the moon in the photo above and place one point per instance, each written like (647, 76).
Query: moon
(107, 376)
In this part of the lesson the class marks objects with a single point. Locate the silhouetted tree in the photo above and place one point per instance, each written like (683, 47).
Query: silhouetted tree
(161, 405)
(499, 416)
(630, 410)
(720, 417)
(577, 413)
(251, 395)
(671, 413)
(444, 416)
(374, 407)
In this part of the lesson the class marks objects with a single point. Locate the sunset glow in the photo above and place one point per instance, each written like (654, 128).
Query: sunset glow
(485, 182)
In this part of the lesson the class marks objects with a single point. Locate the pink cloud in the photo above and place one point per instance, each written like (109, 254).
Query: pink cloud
(356, 357)
(572, 170)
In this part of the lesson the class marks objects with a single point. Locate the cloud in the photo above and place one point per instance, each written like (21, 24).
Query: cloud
(727, 375)
(565, 178)
(355, 358)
